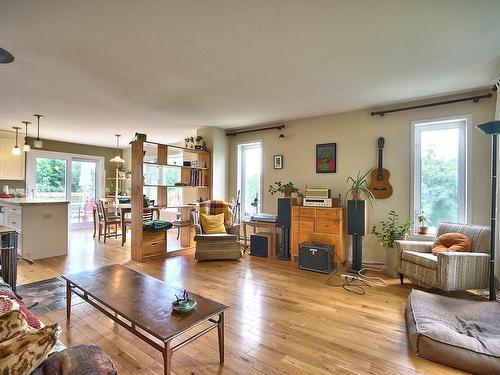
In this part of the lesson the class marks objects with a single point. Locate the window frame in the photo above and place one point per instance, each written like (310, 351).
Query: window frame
(240, 171)
(465, 158)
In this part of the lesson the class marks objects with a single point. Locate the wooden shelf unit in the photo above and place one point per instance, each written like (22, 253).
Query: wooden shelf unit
(151, 154)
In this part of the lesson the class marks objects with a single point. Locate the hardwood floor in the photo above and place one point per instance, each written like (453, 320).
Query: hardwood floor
(281, 320)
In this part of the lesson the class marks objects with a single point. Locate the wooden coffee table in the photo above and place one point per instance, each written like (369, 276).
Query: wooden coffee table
(142, 305)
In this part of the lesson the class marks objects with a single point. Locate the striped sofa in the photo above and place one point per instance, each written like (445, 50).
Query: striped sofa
(447, 271)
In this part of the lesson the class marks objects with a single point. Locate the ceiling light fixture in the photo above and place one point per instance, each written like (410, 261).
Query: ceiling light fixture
(37, 143)
(117, 158)
(26, 147)
(16, 150)
(5, 56)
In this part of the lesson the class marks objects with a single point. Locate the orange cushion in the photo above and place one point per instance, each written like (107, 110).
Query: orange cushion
(451, 242)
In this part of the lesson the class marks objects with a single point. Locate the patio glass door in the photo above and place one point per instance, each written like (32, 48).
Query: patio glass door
(83, 191)
(75, 178)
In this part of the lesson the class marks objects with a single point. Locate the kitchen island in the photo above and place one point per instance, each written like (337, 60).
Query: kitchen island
(42, 225)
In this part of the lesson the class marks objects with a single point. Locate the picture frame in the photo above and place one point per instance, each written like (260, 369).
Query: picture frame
(278, 161)
(326, 158)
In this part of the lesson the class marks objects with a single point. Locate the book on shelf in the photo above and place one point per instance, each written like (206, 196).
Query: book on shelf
(196, 177)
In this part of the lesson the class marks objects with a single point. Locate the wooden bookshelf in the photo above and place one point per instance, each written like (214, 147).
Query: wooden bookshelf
(161, 166)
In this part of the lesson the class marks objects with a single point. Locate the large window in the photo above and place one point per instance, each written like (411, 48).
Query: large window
(439, 163)
(250, 176)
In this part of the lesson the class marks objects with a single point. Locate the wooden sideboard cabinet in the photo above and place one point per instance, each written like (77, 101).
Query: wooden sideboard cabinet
(324, 225)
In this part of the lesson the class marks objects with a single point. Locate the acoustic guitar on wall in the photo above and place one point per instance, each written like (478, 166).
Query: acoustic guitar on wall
(380, 185)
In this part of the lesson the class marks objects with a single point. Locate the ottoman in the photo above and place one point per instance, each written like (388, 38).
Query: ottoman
(459, 333)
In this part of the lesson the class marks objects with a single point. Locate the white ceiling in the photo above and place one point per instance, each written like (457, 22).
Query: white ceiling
(96, 68)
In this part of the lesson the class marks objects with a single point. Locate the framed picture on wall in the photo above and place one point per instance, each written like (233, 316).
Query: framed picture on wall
(326, 158)
(278, 161)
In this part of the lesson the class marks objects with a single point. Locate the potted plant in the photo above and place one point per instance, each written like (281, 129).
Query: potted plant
(390, 230)
(358, 188)
(287, 189)
(423, 219)
(199, 143)
(189, 142)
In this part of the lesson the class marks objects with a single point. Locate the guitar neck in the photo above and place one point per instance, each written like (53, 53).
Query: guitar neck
(379, 169)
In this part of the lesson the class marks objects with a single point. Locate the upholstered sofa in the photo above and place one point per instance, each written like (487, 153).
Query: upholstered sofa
(216, 246)
(77, 360)
(448, 270)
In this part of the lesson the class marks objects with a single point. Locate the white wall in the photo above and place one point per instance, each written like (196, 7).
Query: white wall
(217, 144)
(356, 134)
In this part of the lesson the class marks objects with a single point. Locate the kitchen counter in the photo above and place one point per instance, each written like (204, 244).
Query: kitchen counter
(42, 225)
(27, 201)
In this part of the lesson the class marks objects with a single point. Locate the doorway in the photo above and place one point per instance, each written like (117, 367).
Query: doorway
(76, 178)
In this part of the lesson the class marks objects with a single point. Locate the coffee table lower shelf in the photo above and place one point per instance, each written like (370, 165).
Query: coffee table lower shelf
(166, 349)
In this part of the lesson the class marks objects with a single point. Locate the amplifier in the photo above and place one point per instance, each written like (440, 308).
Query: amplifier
(316, 256)
(317, 192)
(318, 202)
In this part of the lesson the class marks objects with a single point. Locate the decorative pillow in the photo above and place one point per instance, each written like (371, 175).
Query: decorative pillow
(22, 354)
(451, 242)
(213, 224)
(19, 305)
(12, 324)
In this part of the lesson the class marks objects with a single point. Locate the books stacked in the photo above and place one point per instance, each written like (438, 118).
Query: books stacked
(196, 177)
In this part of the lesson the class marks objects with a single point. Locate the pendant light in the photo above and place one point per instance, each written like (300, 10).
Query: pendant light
(37, 143)
(117, 158)
(26, 147)
(16, 150)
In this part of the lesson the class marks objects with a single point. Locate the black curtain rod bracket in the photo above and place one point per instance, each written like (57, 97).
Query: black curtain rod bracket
(475, 99)
(277, 127)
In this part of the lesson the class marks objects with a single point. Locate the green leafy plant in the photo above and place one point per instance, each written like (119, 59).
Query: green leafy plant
(287, 189)
(423, 219)
(390, 229)
(358, 186)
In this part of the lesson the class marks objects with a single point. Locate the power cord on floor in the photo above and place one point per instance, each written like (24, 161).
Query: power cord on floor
(378, 280)
(350, 282)
(349, 285)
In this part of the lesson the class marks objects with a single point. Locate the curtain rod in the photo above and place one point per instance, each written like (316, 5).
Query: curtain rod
(475, 99)
(278, 127)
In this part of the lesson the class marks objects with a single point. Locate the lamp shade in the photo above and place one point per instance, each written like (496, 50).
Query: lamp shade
(117, 159)
(492, 127)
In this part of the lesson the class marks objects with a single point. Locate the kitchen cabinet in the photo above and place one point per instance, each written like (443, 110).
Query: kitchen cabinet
(11, 166)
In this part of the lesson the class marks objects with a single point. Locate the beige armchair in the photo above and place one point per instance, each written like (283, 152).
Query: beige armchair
(447, 271)
(216, 246)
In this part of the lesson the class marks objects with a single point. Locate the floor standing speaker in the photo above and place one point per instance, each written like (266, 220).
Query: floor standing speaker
(284, 221)
(356, 227)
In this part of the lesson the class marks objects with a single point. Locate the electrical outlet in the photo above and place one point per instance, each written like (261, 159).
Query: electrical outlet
(346, 277)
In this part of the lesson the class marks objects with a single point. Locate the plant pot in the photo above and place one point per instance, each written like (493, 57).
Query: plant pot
(423, 230)
(357, 195)
(287, 193)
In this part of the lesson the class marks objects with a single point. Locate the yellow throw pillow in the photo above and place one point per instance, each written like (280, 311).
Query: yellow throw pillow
(213, 224)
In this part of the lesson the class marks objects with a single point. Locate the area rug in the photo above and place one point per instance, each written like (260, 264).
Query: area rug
(46, 296)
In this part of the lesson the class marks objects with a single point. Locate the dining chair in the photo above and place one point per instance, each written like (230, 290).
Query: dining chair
(107, 221)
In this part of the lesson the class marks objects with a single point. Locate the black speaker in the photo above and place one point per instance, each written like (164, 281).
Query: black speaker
(356, 217)
(284, 212)
(316, 257)
(259, 245)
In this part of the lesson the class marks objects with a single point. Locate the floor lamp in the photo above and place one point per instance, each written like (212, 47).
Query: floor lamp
(492, 128)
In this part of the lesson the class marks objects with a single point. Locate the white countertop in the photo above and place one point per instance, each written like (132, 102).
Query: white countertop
(29, 201)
